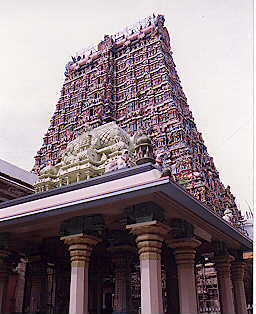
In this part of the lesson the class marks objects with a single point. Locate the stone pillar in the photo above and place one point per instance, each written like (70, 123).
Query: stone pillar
(121, 258)
(80, 247)
(237, 276)
(185, 259)
(222, 264)
(4, 274)
(150, 236)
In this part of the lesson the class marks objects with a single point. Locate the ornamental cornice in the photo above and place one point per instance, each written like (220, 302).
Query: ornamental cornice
(237, 270)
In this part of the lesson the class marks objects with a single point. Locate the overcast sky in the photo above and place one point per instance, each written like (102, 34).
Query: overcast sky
(212, 48)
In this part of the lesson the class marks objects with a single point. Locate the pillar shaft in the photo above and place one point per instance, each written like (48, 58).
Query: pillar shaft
(222, 264)
(150, 236)
(78, 290)
(151, 290)
(237, 276)
(185, 257)
(80, 247)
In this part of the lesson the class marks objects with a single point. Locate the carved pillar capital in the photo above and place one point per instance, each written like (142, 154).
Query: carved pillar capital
(80, 247)
(185, 249)
(223, 264)
(149, 246)
(150, 236)
(237, 270)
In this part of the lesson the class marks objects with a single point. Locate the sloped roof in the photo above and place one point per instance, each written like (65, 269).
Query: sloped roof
(15, 172)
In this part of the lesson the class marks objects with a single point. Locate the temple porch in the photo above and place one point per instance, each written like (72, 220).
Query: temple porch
(126, 242)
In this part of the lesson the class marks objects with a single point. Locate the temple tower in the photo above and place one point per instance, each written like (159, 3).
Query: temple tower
(130, 78)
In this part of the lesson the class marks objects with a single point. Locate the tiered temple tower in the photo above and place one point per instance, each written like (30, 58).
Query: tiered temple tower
(130, 78)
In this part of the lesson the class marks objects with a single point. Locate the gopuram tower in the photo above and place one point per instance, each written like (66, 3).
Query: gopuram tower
(130, 78)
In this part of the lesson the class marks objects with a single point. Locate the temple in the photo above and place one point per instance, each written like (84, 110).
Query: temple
(130, 78)
(129, 215)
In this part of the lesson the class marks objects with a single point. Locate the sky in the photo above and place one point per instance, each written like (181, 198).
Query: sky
(212, 48)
